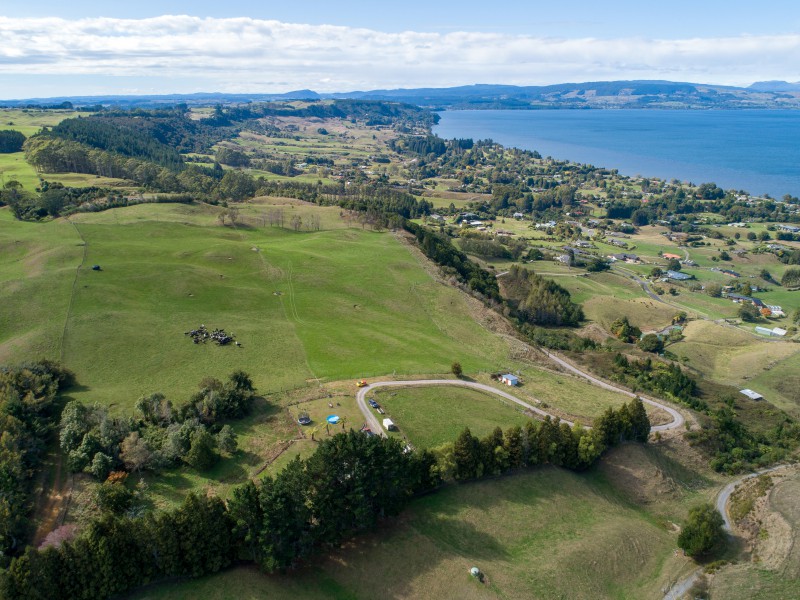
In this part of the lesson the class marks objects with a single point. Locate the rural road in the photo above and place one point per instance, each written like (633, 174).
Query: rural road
(679, 590)
(677, 418)
(725, 494)
(377, 427)
(644, 285)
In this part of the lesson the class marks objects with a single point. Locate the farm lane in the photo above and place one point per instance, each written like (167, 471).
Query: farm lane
(374, 425)
(725, 494)
(677, 418)
(642, 283)
(680, 588)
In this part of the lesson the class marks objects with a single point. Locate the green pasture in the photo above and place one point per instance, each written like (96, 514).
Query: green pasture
(431, 416)
(37, 270)
(306, 306)
(779, 383)
(545, 533)
(735, 357)
(30, 121)
(572, 397)
(14, 167)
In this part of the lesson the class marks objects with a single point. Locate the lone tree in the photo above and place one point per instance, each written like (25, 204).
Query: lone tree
(749, 313)
(702, 532)
(456, 369)
(651, 343)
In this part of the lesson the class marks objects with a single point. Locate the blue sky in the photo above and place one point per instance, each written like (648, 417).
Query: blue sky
(54, 48)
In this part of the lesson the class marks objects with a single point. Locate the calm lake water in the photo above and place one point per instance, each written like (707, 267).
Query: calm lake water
(753, 150)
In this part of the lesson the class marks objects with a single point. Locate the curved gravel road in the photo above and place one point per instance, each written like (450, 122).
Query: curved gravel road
(679, 590)
(376, 426)
(372, 420)
(725, 494)
(677, 418)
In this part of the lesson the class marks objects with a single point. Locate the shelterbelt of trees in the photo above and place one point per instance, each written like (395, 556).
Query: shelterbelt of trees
(347, 486)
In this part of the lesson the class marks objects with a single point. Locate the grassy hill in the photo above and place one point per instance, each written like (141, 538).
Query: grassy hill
(546, 533)
(330, 304)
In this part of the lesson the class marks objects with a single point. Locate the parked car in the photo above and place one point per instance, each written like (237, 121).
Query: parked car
(373, 404)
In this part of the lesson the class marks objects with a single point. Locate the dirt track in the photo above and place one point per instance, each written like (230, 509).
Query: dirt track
(375, 425)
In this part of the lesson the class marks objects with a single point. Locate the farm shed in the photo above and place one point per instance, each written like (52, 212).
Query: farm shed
(509, 379)
(751, 394)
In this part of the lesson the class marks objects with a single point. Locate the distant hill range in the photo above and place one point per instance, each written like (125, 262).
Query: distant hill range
(598, 94)
(775, 86)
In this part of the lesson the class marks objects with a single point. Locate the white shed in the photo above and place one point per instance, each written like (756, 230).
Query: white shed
(389, 425)
(751, 394)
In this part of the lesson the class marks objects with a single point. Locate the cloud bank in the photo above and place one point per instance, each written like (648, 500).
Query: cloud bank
(243, 54)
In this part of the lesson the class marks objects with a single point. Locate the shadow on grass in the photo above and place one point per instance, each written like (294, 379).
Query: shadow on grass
(248, 458)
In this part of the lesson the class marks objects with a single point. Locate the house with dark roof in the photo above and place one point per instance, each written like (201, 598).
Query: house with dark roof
(740, 299)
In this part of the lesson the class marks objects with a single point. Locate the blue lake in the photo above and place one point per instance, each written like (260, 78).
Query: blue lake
(753, 150)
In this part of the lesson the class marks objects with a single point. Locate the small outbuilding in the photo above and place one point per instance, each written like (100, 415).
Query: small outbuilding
(389, 425)
(751, 394)
(509, 379)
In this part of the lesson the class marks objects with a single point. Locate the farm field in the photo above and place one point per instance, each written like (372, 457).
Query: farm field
(301, 311)
(734, 357)
(14, 168)
(571, 397)
(37, 271)
(523, 531)
(28, 121)
(780, 383)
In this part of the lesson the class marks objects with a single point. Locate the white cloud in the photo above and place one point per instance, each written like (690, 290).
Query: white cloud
(239, 54)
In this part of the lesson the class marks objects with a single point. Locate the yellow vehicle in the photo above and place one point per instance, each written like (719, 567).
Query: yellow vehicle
(362, 383)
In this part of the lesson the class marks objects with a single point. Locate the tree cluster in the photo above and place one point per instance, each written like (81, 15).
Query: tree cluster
(11, 141)
(28, 410)
(791, 278)
(702, 532)
(623, 330)
(541, 443)
(441, 251)
(539, 301)
(660, 377)
(735, 448)
(160, 435)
